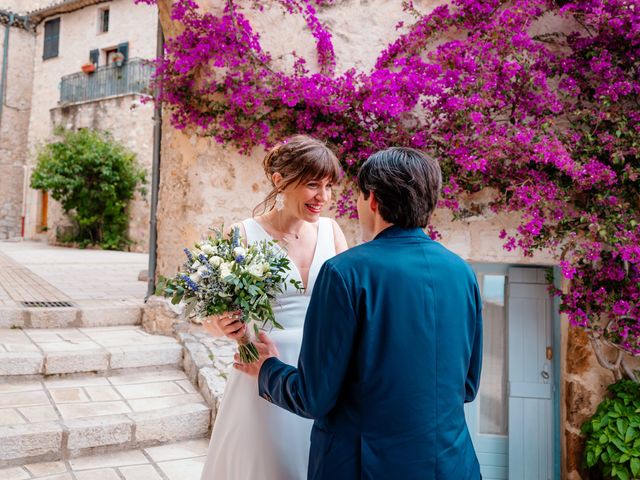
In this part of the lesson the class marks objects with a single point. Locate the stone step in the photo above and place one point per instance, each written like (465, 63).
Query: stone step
(175, 461)
(60, 418)
(91, 314)
(73, 350)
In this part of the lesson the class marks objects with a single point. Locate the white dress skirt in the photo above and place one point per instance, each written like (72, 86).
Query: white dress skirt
(253, 439)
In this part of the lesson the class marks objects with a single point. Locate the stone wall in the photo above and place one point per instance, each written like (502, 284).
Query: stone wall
(14, 128)
(131, 123)
(136, 24)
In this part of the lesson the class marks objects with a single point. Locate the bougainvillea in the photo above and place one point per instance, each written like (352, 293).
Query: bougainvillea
(549, 120)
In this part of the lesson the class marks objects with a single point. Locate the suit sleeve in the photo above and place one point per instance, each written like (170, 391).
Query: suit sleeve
(312, 389)
(472, 383)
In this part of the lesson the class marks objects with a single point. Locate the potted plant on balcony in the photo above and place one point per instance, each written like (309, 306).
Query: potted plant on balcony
(118, 59)
(89, 67)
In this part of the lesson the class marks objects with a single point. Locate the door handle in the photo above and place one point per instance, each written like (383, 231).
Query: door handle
(545, 374)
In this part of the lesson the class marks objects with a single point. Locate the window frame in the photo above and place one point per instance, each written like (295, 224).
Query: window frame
(48, 51)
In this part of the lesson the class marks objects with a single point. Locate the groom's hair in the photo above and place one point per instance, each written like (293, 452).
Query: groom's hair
(406, 183)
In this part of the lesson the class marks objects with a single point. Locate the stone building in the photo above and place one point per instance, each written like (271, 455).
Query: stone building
(540, 377)
(17, 47)
(61, 38)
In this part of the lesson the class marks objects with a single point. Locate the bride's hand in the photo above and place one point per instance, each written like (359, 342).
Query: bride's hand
(228, 324)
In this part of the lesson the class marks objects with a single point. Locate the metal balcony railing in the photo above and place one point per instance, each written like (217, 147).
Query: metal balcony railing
(132, 77)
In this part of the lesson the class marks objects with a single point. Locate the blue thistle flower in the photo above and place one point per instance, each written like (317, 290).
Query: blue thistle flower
(235, 239)
(190, 283)
(203, 258)
(188, 254)
(240, 259)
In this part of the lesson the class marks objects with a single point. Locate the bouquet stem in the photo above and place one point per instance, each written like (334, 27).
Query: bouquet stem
(247, 350)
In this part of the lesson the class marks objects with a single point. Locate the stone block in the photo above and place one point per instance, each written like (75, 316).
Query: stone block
(160, 316)
(196, 356)
(171, 424)
(211, 384)
(146, 355)
(110, 316)
(12, 317)
(21, 442)
(52, 317)
(73, 362)
(98, 432)
(21, 363)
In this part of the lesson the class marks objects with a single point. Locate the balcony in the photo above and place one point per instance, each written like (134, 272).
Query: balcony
(132, 77)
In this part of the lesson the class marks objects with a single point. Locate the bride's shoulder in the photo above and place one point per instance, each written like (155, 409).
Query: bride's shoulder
(339, 239)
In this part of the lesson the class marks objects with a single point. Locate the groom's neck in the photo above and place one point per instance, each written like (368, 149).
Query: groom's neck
(379, 225)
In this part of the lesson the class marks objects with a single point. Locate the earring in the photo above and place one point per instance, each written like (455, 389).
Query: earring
(279, 205)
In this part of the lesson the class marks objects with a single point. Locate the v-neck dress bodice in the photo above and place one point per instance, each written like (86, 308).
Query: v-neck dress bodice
(291, 306)
(252, 438)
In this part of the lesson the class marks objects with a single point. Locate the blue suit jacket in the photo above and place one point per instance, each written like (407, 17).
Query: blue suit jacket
(391, 351)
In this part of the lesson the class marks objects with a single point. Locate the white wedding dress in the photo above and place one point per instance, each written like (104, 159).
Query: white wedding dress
(253, 439)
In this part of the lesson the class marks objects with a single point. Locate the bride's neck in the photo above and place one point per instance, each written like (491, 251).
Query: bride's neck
(286, 222)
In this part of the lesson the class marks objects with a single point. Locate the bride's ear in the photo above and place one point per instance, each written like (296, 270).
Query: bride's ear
(277, 178)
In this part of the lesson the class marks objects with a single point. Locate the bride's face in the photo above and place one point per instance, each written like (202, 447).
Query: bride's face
(307, 200)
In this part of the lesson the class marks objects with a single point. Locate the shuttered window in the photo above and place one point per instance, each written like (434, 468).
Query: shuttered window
(51, 38)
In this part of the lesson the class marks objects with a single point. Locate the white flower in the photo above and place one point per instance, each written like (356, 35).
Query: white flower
(239, 251)
(209, 249)
(196, 265)
(195, 277)
(215, 261)
(202, 270)
(266, 267)
(225, 269)
(256, 269)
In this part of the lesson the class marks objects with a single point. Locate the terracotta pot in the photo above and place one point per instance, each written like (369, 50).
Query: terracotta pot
(89, 68)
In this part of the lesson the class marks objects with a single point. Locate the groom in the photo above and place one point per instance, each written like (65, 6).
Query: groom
(392, 341)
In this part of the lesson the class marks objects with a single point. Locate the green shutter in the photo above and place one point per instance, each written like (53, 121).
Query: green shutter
(51, 38)
(94, 56)
(123, 48)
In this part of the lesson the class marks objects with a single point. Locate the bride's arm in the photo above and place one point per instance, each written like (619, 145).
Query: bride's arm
(338, 238)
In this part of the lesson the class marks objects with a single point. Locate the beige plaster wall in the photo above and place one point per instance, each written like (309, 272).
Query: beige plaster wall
(131, 23)
(14, 125)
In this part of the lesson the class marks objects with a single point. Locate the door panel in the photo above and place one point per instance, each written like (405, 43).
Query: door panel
(530, 376)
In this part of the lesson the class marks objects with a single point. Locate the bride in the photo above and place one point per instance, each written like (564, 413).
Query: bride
(253, 439)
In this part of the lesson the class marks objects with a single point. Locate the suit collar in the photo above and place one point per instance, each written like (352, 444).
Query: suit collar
(395, 231)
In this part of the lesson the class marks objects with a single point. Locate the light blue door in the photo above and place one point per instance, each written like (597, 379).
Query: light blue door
(511, 419)
(530, 376)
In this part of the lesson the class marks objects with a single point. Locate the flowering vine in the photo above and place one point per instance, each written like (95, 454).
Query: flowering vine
(550, 122)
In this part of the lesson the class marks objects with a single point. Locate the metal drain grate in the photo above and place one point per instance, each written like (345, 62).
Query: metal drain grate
(46, 304)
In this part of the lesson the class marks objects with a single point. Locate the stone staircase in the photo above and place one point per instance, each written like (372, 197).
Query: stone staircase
(71, 392)
(94, 384)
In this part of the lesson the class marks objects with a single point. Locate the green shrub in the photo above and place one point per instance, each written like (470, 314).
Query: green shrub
(94, 178)
(613, 433)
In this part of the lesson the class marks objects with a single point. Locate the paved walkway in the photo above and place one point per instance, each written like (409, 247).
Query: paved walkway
(178, 461)
(35, 271)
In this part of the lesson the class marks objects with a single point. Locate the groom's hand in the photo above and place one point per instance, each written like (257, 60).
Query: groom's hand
(266, 349)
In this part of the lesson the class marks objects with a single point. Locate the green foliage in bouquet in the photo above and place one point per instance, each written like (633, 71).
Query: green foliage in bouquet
(613, 433)
(94, 178)
(221, 275)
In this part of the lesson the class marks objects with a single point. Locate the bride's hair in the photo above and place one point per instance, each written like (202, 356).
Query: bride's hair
(298, 159)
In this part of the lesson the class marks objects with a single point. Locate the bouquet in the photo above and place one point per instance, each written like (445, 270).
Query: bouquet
(221, 275)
